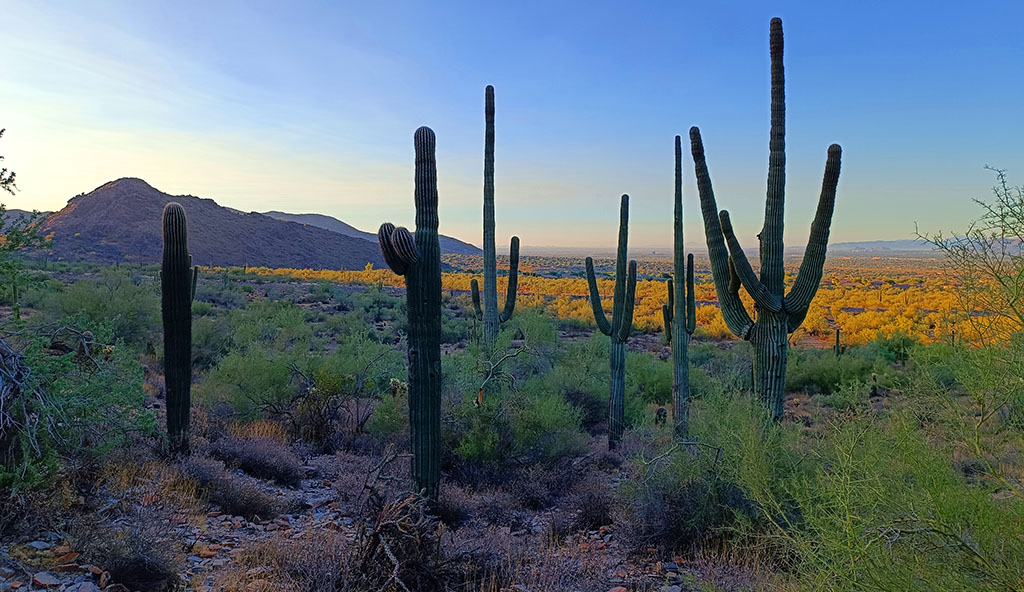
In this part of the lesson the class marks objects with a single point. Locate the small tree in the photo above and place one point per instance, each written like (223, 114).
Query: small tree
(16, 234)
(987, 261)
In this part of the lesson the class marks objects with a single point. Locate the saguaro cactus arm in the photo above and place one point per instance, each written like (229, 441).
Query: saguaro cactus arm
(595, 300)
(620, 263)
(733, 311)
(741, 266)
(691, 302)
(809, 277)
(625, 322)
(513, 280)
(666, 310)
(474, 290)
(772, 270)
(398, 247)
(671, 296)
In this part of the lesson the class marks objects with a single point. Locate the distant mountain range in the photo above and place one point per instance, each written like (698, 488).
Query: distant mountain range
(12, 215)
(120, 221)
(911, 247)
(448, 244)
(877, 247)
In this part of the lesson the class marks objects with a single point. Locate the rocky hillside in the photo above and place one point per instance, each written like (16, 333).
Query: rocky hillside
(120, 221)
(448, 244)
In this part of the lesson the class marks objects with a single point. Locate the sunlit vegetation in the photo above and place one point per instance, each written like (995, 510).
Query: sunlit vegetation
(863, 297)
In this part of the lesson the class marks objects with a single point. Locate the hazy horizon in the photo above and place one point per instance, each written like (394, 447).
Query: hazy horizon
(312, 109)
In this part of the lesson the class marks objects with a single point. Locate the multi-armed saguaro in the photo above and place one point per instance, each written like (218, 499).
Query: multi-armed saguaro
(177, 289)
(492, 320)
(778, 313)
(681, 312)
(620, 326)
(419, 260)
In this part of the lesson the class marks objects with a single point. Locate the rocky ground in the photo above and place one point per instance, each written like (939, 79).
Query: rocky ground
(212, 543)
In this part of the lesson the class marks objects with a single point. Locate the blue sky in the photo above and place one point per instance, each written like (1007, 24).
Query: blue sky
(310, 107)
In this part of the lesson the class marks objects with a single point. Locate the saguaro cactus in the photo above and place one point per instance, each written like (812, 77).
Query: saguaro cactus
(680, 313)
(778, 313)
(493, 320)
(419, 260)
(177, 289)
(620, 326)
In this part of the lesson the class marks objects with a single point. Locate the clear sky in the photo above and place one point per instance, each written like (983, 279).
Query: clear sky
(311, 106)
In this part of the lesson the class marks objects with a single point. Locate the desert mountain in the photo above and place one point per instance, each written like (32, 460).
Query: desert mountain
(121, 221)
(13, 215)
(448, 244)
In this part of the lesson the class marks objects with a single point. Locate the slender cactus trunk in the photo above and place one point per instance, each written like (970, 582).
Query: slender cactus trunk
(418, 258)
(491, 324)
(177, 287)
(681, 379)
(770, 339)
(423, 299)
(617, 396)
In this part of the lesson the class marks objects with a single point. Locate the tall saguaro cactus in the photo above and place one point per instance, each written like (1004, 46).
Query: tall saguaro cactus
(177, 289)
(778, 313)
(419, 260)
(620, 326)
(493, 320)
(681, 312)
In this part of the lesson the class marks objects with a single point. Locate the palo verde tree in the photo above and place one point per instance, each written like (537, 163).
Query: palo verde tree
(986, 259)
(492, 320)
(778, 313)
(18, 234)
(419, 260)
(680, 312)
(620, 326)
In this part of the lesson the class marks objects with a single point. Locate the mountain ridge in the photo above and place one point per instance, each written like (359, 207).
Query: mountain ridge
(120, 221)
(448, 244)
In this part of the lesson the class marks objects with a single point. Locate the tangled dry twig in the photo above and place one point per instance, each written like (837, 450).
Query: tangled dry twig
(20, 408)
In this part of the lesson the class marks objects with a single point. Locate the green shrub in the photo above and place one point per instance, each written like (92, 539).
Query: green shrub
(648, 379)
(821, 371)
(580, 375)
(533, 425)
(869, 504)
(211, 340)
(254, 382)
(278, 325)
(391, 415)
(126, 302)
(545, 427)
(218, 294)
(848, 396)
(730, 366)
(89, 405)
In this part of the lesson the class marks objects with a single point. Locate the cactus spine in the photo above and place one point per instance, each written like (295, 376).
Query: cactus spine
(620, 326)
(492, 320)
(177, 289)
(419, 260)
(681, 307)
(778, 313)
